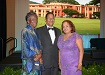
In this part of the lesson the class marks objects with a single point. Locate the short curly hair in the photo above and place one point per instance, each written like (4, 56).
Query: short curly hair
(29, 14)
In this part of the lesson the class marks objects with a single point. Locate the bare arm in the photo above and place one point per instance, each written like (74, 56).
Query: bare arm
(79, 43)
(59, 59)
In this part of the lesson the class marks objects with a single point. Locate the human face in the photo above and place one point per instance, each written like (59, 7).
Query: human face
(33, 20)
(66, 28)
(50, 20)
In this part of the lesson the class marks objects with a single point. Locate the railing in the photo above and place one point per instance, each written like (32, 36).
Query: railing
(1, 47)
(15, 44)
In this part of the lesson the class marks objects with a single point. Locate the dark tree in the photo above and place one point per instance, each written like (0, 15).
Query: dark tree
(62, 1)
(96, 15)
(94, 2)
(70, 12)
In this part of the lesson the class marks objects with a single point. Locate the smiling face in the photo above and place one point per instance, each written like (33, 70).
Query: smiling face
(66, 28)
(50, 20)
(32, 21)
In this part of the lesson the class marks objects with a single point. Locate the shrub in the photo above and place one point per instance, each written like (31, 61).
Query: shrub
(89, 70)
(94, 70)
(10, 71)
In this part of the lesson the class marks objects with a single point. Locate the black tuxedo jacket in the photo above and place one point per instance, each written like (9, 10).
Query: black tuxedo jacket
(50, 51)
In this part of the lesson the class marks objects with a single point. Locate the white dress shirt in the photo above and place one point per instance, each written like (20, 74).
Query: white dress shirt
(52, 34)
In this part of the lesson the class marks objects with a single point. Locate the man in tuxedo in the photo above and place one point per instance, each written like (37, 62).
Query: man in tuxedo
(49, 35)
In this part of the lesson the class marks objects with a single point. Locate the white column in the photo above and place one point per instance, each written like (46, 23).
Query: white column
(57, 13)
(85, 11)
(37, 12)
(95, 9)
(80, 8)
(88, 12)
(92, 11)
(44, 12)
(41, 13)
(102, 19)
(21, 8)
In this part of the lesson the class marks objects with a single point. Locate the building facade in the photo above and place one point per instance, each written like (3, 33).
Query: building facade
(56, 8)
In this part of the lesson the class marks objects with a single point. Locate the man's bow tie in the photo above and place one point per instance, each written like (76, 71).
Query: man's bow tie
(50, 28)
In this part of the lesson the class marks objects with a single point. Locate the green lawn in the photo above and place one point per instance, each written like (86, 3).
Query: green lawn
(83, 26)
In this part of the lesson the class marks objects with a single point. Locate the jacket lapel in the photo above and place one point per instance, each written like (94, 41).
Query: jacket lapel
(55, 35)
(47, 35)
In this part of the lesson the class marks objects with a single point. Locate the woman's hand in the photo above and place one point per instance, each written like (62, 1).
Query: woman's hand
(79, 67)
(59, 65)
(41, 61)
(38, 56)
